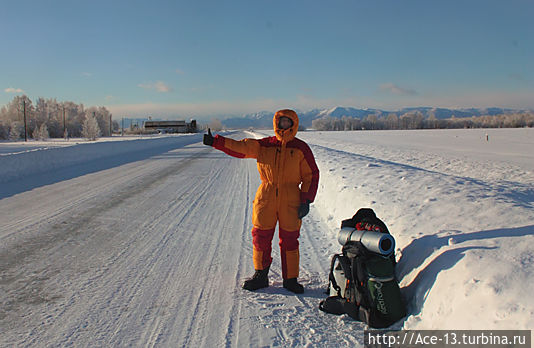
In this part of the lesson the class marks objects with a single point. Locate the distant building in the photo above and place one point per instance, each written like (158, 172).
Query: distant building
(172, 126)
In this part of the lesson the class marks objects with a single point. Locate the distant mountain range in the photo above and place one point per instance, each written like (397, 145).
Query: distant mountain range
(265, 118)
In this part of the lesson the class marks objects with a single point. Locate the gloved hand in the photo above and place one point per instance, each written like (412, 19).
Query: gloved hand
(304, 209)
(208, 138)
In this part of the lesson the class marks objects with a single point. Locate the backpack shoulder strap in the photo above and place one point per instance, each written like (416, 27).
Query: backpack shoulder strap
(359, 276)
(331, 278)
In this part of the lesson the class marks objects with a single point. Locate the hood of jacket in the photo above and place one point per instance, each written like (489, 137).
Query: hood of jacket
(285, 135)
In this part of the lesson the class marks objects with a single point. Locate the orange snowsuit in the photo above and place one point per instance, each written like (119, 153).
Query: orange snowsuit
(289, 177)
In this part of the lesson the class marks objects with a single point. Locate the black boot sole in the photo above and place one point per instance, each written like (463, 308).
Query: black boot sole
(254, 288)
(295, 291)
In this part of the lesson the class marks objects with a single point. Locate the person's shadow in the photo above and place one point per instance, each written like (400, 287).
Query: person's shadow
(420, 249)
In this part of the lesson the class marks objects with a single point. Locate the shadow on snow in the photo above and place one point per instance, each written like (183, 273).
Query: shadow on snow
(420, 249)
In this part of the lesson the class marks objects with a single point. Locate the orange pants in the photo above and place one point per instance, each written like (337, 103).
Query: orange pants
(265, 216)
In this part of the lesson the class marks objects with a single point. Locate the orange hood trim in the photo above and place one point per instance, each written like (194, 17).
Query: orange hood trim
(285, 135)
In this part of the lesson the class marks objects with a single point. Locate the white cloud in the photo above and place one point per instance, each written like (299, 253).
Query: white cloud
(179, 71)
(393, 88)
(13, 90)
(87, 74)
(159, 86)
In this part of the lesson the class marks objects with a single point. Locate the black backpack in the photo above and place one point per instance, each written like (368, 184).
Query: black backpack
(371, 292)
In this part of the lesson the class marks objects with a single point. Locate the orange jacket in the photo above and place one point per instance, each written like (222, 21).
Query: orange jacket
(286, 164)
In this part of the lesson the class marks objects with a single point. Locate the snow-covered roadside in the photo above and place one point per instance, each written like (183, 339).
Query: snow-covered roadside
(464, 244)
(9, 147)
(465, 248)
(18, 160)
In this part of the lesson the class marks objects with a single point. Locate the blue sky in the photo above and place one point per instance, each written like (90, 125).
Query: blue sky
(207, 58)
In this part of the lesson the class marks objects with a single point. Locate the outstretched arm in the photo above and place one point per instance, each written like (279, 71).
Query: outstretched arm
(246, 148)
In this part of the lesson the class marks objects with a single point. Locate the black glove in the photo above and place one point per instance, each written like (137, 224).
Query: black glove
(304, 209)
(208, 138)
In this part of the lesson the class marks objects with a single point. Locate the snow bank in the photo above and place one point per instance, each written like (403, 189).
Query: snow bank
(24, 159)
(464, 235)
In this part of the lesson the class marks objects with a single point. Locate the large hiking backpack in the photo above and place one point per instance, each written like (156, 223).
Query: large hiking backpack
(362, 283)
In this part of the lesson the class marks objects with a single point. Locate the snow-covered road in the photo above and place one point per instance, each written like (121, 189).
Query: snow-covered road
(152, 252)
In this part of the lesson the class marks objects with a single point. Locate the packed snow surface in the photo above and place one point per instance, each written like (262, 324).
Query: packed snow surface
(145, 242)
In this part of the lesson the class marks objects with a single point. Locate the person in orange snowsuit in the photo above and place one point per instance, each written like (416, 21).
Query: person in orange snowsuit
(289, 180)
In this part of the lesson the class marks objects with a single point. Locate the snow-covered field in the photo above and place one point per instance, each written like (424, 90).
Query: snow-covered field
(146, 242)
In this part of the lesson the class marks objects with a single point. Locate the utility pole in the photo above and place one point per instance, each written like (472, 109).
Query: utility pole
(110, 126)
(25, 127)
(122, 128)
(64, 123)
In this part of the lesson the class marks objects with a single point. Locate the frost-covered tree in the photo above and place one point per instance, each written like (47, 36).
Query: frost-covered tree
(116, 126)
(215, 124)
(102, 116)
(432, 121)
(392, 121)
(4, 130)
(371, 122)
(14, 112)
(41, 111)
(75, 115)
(41, 133)
(56, 115)
(16, 130)
(90, 128)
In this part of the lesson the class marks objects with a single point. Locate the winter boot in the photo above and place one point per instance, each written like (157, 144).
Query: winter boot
(293, 286)
(258, 281)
